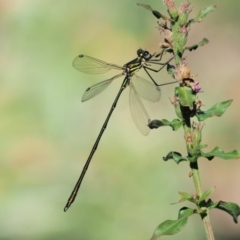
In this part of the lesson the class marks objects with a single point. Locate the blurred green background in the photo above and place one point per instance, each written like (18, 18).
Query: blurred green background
(46, 133)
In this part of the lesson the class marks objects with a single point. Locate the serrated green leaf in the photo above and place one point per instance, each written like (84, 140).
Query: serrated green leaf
(171, 227)
(217, 110)
(176, 156)
(203, 13)
(231, 208)
(206, 194)
(218, 152)
(195, 46)
(175, 124)
(157, 14)
(186, 96)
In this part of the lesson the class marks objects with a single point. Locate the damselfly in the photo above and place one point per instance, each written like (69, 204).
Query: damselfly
(139, 87)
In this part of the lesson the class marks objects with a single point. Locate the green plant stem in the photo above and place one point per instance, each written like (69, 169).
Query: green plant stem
(208, 227)
(196, 178)
(195, 172)
(198, 187)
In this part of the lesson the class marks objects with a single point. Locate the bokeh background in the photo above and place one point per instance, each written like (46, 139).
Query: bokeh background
(46, 132)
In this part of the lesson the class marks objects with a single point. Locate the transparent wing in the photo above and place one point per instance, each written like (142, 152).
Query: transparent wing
(138, 111)
(97, 88)
(146, 89)
(86, 64)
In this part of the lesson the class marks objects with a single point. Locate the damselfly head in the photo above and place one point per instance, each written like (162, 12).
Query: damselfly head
(81, 55)
(144, 54)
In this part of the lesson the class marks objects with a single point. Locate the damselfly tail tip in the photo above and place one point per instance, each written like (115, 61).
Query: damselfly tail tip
(67, 206)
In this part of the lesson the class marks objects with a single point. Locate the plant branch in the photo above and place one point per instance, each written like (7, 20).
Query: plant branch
(192, 145)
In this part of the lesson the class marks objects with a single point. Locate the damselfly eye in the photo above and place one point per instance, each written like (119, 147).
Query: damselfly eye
(139, 52)
(147, 55)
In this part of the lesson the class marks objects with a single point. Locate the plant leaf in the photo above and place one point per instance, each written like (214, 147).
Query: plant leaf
(186, 96)
(154, 12)
(231, 208)
(203, 13)
(218, 152)
(185, 197)
(175, 124)
(148, 7)
(194, 158)
(170, 70)
(195, 46)
(171, 227)
(212, 204)
(206, 194)
(176, 156)
(217, 110)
